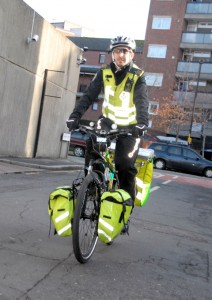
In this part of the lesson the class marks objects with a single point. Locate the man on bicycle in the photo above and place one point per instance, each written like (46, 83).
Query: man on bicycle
(125, 104)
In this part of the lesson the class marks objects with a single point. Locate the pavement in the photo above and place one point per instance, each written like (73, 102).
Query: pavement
(23, 165)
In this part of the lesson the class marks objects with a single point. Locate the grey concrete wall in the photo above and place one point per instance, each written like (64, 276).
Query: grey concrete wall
(22, 69)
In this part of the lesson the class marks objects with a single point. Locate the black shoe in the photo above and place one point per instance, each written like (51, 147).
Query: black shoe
(125, 229)
(109, 243)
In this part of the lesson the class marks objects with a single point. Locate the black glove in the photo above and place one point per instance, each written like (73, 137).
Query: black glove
(138, 130)
(72, 123)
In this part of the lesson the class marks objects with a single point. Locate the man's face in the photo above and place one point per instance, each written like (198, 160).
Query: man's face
(122, 56)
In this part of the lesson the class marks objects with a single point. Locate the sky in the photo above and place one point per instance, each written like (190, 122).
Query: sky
(107, 18)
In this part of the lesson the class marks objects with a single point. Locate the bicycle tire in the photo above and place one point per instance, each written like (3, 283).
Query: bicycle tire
(85, 222)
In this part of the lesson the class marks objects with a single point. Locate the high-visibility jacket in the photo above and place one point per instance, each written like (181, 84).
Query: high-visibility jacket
(118, 103)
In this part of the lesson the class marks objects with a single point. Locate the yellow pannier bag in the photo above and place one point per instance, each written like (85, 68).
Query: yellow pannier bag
(61, 209)
(115, 210)
(144, 165)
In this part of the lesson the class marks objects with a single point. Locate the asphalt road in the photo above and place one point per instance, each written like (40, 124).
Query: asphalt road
(167, 255)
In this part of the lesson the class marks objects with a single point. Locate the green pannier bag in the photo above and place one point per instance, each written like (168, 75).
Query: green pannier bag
(61, 209)
(144, 165)
(115, 210)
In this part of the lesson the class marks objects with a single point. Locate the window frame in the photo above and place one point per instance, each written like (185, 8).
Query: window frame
(156, 49)
(95, 106)
(151, 111)
(156, 78)
(102, 57)
(161, 21)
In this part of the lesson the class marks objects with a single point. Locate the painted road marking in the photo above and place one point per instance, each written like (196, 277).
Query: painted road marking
(154, 188)
(158, 175)
(198, 181)
(167, 181)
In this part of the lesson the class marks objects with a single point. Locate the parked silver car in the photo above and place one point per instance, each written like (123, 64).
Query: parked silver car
(182, 158)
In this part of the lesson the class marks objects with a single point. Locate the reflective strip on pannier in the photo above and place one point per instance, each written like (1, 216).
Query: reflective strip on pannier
(105, 224)
(64, 229)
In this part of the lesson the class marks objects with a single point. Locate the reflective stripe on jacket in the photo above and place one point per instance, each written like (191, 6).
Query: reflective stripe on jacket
(118, 102)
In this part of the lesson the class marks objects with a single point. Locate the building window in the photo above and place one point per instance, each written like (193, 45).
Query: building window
(82, 88)
(153, 107)
(190, 56)
(95, 106)
(192, 27)
(154, 79)
(200, 83)
(183, 86)
(200, 54)
(206, 25)
(102, 58)
(163, 23)
(157, 51)
(186, 85)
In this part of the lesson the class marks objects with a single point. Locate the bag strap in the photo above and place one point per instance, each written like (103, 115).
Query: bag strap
(123, 210)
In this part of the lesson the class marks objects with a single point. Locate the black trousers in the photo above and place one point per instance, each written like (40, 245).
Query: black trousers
(124, 162)
(125, 165)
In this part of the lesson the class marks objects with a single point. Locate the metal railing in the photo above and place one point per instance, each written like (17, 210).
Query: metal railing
(196, 38)
(199, 8)
(193, 67)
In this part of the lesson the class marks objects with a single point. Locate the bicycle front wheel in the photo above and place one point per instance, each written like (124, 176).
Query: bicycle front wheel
(85, 223)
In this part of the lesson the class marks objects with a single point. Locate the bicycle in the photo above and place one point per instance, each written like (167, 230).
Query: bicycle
(101, 177)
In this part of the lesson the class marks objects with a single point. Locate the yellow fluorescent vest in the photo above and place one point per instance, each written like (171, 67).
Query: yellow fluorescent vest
(118, 103)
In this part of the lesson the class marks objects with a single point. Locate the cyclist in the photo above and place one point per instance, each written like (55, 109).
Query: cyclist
(125, 104)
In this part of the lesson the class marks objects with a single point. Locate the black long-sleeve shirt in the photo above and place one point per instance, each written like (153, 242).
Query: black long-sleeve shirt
(140, 97)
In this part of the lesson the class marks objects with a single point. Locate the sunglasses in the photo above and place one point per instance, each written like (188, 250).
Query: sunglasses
(122, 50)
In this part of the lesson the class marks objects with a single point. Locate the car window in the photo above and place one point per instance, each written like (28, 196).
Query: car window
(159, 147)
(79, 135)
(190, 154)
(174, 150)
(76, 134)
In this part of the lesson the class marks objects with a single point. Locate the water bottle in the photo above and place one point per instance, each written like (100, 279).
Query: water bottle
(107, 174)
(111, 180)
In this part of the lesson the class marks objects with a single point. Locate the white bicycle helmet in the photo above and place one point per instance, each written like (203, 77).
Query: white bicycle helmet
(122, 41)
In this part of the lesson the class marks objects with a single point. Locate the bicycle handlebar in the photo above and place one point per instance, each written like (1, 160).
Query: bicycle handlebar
(104, 133)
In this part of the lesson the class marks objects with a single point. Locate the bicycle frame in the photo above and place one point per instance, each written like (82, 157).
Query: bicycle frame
(101, 177)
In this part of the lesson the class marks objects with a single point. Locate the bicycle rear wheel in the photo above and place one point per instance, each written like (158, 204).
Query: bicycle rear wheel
(85, 223)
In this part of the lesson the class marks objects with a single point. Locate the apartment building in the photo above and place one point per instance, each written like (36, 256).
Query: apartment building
(177, 58)
(178, 61)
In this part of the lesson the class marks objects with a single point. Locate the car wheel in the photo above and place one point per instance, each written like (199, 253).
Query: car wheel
(79, 151)
(160, 164)
(208, 172)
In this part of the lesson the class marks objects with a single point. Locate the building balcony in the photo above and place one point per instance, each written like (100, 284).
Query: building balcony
(196, 40)
(186, 99)
(198, 11)
(190, 70)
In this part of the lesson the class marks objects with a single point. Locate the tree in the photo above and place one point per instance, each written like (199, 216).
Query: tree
(170, 117)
